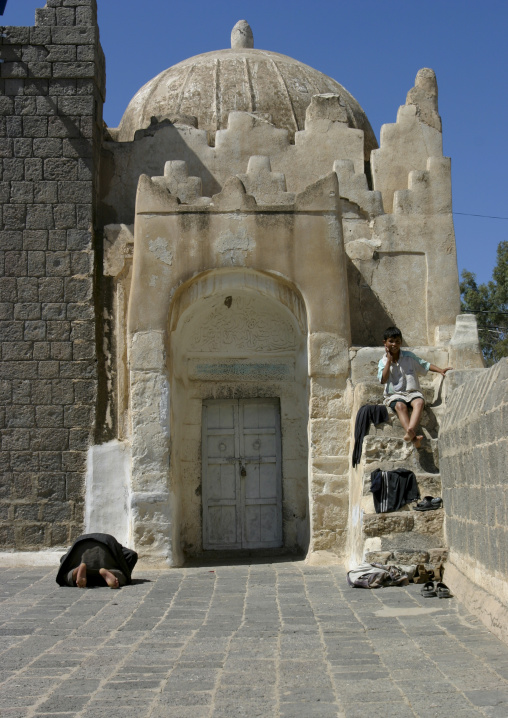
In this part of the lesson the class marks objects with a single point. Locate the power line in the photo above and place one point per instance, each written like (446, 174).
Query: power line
(488, 311)
(485, 216)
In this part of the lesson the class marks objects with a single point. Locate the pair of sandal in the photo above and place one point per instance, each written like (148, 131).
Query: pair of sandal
(428, 503)
(440, 589)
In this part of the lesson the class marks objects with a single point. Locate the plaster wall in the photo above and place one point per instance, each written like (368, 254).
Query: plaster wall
(403, 270)
(262, 257)
(107, 490)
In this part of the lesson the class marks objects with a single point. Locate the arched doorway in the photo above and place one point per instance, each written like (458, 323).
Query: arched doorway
(237, 366)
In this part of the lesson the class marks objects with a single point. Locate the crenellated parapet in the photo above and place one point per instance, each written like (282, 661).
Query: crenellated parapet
(429, 191)
(327, 137)
(353, 187)
(266, 186)
(407, 144)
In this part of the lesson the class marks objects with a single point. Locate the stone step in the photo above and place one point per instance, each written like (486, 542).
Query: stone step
(407, 531)
(405, 536)
(388, 452)
(426, 523)
(407, 557)
(393, 427)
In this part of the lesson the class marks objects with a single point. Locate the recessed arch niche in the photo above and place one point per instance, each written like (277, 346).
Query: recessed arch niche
(237, 335)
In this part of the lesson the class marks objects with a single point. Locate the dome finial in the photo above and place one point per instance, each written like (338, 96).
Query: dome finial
(241, 35)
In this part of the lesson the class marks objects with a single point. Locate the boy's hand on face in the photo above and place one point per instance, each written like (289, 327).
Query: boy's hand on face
(392, 349)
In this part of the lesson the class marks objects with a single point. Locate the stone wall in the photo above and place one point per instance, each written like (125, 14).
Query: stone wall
(473, 445)
(52, 92)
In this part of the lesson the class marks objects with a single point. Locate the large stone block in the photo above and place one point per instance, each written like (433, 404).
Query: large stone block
(147, 351)
(329, 437)
(382, 524)
(328, 355)
(330, 398)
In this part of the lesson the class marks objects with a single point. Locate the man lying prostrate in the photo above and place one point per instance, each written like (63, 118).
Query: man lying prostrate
(96, 560)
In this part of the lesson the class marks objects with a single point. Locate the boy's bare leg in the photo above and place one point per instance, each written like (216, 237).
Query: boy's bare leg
(110, 578)
(79, 575)
(403, 414)
(417, 409)
(408, 424)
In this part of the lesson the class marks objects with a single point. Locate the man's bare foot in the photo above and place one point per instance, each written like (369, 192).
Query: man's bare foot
(409, 435)
(79, 575)
(110, 578)
(417, 441)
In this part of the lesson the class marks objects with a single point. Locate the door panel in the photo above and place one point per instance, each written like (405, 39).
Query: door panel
(222, 481)
(242, 492)
(223, 525)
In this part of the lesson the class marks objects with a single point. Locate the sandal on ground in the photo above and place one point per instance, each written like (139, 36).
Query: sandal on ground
(427, 504)
(428, 590)
(442, 590)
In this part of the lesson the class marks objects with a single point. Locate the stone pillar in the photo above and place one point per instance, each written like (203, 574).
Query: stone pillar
(52, 92)
(329, 442)
(149, 407)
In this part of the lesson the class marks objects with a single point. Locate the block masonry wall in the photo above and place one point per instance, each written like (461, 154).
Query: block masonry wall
(52, 80)
(473, 445)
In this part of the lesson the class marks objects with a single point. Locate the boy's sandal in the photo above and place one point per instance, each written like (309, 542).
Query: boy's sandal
(428, 590)
(427, 504)
(442, 590)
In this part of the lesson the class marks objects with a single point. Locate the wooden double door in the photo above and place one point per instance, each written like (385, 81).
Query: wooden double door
(242, 478)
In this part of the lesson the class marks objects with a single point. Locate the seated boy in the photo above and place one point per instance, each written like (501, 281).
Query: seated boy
(397, 370)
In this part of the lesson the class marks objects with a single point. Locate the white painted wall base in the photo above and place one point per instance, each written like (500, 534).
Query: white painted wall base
(107, 490)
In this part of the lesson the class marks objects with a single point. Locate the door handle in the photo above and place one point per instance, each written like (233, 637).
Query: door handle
(243, 470)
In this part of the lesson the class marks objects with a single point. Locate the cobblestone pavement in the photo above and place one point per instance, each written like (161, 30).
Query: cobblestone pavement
(281, 639)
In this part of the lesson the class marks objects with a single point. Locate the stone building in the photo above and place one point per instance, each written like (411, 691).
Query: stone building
(193, 303)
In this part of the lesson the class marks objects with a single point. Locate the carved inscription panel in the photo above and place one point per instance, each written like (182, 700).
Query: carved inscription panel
(237, 324)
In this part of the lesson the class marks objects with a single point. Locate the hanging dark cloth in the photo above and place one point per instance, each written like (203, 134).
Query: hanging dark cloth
(393, 489)
(124, 558)
(367, 414)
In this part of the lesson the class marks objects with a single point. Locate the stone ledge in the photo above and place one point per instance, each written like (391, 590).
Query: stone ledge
(431, 558)
(491, 612)
(423, 522)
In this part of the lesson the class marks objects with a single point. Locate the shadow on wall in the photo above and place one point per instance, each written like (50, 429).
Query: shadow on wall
(369, 319)
(123, 162)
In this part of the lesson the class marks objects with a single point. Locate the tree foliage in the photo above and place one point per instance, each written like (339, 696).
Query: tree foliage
(489, 303)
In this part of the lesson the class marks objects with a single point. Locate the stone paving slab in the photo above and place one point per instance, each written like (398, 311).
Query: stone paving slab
(275, 640)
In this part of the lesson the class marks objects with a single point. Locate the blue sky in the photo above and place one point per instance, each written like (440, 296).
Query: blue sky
(374, 49)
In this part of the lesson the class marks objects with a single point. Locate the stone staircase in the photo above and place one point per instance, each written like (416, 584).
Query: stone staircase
(405, 536)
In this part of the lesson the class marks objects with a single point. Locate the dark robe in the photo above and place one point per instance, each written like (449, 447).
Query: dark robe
(393, 489)
(367, 414)
(125, 559)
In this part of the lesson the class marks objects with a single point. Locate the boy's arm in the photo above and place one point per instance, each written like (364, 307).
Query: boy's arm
(386, 371)
(435, 368)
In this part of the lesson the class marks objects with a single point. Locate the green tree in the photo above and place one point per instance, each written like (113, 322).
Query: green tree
(489, 303)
